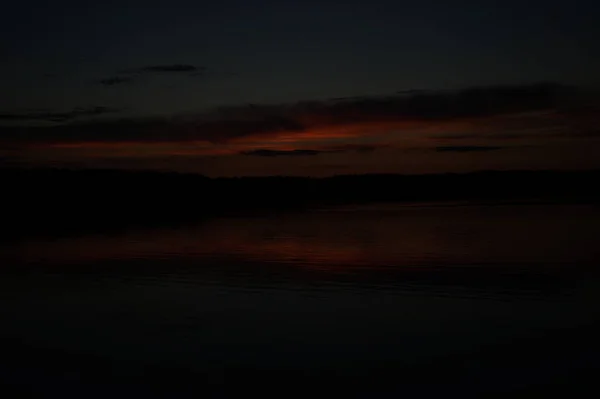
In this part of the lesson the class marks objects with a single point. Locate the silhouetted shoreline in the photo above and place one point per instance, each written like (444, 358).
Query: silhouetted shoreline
(64, 201)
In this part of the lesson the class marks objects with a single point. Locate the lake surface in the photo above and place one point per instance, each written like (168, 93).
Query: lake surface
(474, 297)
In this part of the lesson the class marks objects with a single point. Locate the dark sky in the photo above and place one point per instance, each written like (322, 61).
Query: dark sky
(169, 84)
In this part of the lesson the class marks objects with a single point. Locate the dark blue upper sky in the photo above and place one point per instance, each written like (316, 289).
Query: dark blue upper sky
(54, 53)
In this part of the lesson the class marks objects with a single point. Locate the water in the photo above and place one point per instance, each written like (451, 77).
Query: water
(346, 292)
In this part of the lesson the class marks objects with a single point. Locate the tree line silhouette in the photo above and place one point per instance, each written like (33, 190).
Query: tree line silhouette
(53, 201)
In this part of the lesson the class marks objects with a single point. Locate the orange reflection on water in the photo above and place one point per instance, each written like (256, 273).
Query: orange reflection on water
(402, 238)
(313, 240)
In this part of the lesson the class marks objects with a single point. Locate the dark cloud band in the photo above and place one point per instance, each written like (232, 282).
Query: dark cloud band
(66, 116)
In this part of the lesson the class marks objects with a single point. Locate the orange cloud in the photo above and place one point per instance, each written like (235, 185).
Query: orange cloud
(399, 133)
(419, 120)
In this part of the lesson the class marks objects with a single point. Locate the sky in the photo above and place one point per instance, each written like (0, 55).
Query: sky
(241, 87)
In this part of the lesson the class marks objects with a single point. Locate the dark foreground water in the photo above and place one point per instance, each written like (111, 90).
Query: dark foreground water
(412, 300)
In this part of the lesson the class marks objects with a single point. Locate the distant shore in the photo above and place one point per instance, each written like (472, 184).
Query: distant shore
(49, 202)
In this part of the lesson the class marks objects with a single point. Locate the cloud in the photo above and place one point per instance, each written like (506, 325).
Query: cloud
(278, 153)
(171, 68)
(356, 124)
(467, 148)
(76, 113)
(133, 74)
(350, 98)
(357, 148)
(223, 130)
(458, 136)
(588, 133)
